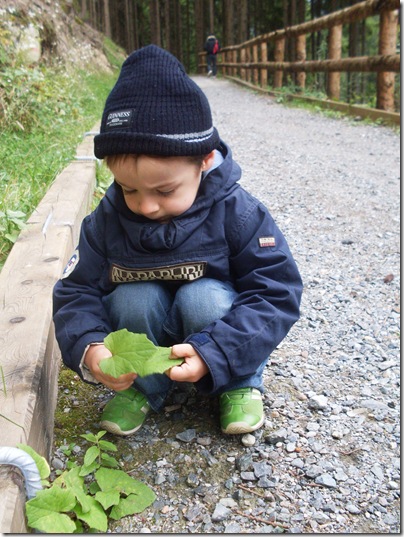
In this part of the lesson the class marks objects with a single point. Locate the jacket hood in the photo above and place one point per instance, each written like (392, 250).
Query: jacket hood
(148, 236)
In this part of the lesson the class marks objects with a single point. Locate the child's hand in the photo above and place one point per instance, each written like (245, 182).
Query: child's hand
(192, 369)
(92, 359)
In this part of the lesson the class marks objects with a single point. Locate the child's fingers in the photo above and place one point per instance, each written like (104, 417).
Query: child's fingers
(182, 350)
(181, 373)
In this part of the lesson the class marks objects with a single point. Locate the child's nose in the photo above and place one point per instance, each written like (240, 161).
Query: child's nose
(148, 206)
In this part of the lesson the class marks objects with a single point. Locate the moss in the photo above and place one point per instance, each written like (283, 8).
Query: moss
(77, 410)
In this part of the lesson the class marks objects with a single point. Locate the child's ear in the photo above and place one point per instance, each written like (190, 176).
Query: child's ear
(208, 161)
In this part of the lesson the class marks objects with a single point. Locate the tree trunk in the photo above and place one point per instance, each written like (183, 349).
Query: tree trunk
(242, 21)
(136, 37)
(301, 11)
(199, 25)
(211, 16)
(107, 19)
(177, 50)
(187, 55)
(167, 25)
(155, 36)
(84, 10)
(228, 34)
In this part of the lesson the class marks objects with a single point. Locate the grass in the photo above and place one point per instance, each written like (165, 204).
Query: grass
(44, 112)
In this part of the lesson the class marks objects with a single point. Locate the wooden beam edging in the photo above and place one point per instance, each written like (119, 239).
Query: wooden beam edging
(350, 109)
(29, 355)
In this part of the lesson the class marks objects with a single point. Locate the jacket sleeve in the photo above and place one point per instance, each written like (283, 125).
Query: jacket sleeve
(269, 286)
(78, 312)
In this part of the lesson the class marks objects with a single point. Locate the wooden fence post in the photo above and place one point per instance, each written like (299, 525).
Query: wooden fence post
(263, 71)
(387, 45)
(279, 55)
(255, 60)
(334, 53)
(300, 57)
(248, 59)
(242, 59)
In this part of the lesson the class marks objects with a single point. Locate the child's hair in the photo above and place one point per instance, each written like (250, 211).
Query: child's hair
(110, 160)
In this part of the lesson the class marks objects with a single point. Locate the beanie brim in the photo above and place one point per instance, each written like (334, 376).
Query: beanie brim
(120, 143)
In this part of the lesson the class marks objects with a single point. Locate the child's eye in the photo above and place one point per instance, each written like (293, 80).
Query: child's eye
(165, 193)
(126, 191)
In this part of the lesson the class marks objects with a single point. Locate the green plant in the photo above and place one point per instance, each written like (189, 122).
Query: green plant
(44, 112)
(104, 179)
(11, 223)
(84, 497)
(113, 52)
(4, 389)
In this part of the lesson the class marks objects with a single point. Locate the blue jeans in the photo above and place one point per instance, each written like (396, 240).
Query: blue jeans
(167, 315)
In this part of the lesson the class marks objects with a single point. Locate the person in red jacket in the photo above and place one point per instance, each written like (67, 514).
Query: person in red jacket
(212, 47)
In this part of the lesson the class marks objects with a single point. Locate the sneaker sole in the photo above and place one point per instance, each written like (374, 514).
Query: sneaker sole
(113, 428)
(241, 427)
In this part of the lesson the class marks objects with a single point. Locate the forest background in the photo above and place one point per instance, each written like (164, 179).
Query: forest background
(181, 26)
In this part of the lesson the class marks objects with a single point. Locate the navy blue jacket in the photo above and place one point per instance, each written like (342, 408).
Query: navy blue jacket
(227, 234)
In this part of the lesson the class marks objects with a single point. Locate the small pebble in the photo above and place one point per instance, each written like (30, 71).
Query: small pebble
(248, 440)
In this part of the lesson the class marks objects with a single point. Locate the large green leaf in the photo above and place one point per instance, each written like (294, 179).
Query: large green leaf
(75, 483)
(134, 503)
(46, 511)
(106, 499)
(111, 479)
(95, 517)
(135, 353)
(139, 495)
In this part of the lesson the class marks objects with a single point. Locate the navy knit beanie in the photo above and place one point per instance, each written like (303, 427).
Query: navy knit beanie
(155, 109)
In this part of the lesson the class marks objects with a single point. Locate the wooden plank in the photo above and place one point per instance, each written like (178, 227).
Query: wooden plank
(354, 110)
(360, 64)
(13, 500)
(29, 354)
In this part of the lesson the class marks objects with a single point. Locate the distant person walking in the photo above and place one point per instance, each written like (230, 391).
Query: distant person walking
(212, 47)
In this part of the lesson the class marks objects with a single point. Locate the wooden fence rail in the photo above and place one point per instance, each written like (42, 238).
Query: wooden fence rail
(248, 62)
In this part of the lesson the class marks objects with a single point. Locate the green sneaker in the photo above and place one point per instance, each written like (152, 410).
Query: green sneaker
(241, 411)
(125, 413)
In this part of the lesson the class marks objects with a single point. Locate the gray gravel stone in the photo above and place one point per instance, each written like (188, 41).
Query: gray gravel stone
(326, 480)
(220, 513)
(187, 436)
(233, 527)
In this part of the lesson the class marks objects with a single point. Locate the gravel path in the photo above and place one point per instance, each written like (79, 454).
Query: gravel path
(327, 459)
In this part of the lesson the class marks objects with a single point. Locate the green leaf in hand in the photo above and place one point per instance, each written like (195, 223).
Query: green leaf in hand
(135, 353)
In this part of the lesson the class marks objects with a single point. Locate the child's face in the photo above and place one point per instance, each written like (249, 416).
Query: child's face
(159, 188)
